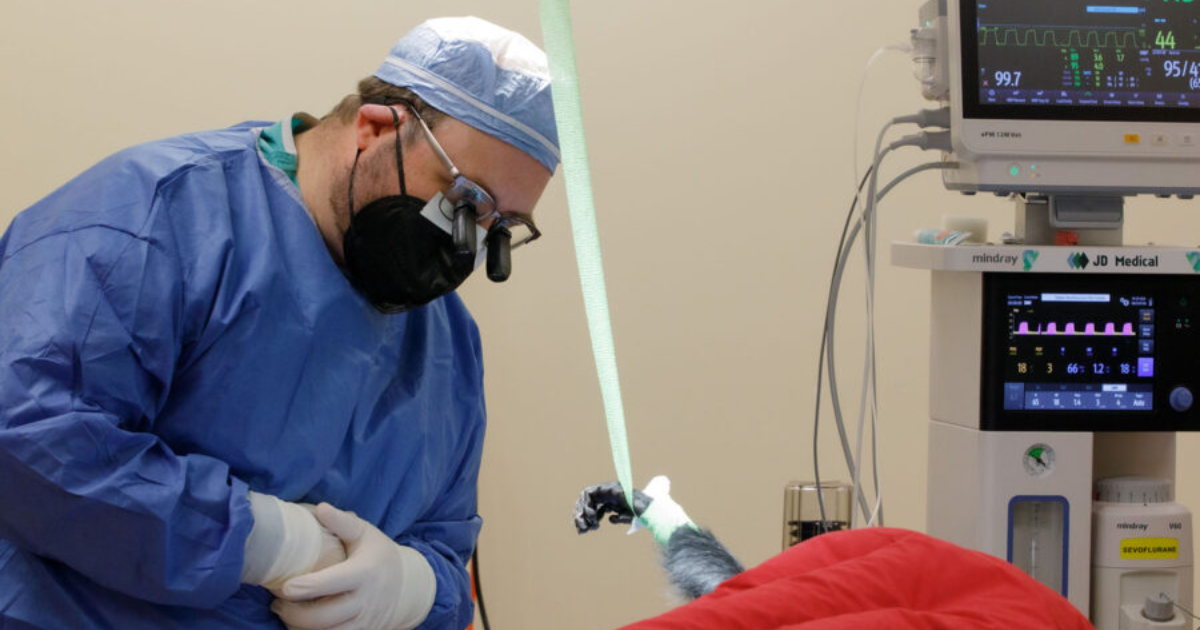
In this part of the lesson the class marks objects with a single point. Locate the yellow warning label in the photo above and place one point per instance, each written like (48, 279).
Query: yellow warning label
(1150, 549)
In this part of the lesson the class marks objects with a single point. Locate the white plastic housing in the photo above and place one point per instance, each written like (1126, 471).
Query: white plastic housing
(1138, 551)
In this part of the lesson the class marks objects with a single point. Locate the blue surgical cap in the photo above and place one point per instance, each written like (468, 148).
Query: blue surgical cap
(487, 76)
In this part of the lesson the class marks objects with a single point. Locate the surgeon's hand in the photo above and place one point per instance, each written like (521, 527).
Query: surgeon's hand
(332, 549)
(380, 586)
(286, 541)
(332, 552)
(597, 501)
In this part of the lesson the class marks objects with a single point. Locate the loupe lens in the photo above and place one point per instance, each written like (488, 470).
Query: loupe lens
(499, 254)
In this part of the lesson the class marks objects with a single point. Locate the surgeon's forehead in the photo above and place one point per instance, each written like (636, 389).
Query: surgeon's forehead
(513, 177)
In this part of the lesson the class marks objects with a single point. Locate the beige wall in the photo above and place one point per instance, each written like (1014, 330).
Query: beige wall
(720, 137)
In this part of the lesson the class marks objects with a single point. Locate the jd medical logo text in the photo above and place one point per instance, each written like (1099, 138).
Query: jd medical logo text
(1081, 261)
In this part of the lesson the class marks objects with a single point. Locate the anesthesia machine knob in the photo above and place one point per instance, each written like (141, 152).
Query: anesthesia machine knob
(1144, 490)
(1158, 608)
(1181, 399)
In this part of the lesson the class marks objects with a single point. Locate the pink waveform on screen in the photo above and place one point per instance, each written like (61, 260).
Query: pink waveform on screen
(1071, 328)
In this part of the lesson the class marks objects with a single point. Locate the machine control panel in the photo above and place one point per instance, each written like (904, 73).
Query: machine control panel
(1090, 353)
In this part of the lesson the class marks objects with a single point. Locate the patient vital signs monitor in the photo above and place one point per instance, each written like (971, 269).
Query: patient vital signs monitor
(1078, 96)
(1127, 63)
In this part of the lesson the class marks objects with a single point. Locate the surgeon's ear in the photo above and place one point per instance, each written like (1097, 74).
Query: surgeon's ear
(374, 121)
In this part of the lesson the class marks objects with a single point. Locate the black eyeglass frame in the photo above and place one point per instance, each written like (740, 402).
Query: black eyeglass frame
(463, 190)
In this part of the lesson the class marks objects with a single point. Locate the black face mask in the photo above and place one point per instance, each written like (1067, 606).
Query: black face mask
(399, 259)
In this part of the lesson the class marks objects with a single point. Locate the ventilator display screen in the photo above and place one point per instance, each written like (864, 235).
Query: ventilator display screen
(1075, 350)
(1082, 59)
(1095, 352)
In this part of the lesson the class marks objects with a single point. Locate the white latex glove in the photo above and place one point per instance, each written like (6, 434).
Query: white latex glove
(286, 541)
(380, 586)
(332, 549)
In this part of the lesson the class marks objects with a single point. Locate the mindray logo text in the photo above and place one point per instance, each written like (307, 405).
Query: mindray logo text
(994, 259)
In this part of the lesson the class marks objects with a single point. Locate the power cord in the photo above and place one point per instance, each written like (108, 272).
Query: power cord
(479, 588)
(904, 48)
(826, 355)
(831, 311)
(825, 340)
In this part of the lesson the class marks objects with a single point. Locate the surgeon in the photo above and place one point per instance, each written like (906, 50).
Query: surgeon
(237, 389)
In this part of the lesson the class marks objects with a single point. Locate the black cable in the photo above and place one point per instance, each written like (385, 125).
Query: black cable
(821, 353)
(478, 588)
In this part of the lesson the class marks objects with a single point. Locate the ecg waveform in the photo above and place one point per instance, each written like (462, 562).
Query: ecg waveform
(1110, 330)
(1046, 36)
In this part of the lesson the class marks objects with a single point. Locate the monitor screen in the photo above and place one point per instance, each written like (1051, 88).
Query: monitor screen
(1090, 352)
(1073, 351)
(1124, 60)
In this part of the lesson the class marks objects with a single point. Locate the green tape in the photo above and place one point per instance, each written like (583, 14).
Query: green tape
(664, 517)
(568, 112)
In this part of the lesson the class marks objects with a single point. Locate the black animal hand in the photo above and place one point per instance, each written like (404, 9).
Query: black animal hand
(606, 499)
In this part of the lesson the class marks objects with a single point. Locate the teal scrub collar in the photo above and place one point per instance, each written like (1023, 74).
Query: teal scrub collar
(277, 143)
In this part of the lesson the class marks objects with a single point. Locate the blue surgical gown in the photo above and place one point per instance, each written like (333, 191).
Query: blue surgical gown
(174, 332)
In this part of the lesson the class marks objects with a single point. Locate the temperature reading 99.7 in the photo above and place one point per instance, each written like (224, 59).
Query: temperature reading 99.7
(1004, 78)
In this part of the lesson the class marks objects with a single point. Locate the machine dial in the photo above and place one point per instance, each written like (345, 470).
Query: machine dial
(1144, 490)
(1039, 460)
(1181, 399)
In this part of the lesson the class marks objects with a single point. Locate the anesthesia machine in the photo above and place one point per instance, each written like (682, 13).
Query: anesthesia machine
(1063, 361)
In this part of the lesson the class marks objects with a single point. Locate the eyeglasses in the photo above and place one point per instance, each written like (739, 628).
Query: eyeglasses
(464, 192)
